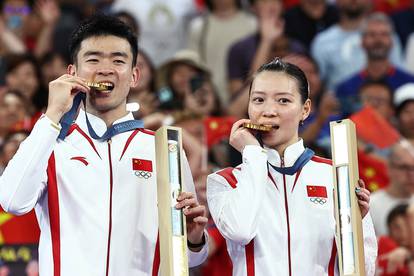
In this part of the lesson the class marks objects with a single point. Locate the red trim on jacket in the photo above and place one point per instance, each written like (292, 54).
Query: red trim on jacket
(296, 178)
(133, 134)
(156, 261)
(147, 131)
(227, 173)
(319, 159)
(76, 127)
(54, 217)
(272, 179)
(331, 266)
(249, 251)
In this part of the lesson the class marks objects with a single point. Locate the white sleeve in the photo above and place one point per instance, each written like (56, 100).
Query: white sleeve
(194, 258)
(236, 210)
(25, 176)
(370, 245)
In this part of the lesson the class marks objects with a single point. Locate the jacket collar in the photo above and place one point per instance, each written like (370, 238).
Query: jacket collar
(291, 154)
(99, 126)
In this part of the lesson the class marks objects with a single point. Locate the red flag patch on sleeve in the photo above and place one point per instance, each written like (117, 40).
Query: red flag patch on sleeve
(316, 191)
(141, 165)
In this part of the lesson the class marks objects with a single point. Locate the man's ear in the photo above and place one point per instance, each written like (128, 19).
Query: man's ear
(136, 73)
(71, 69)
(306, 109)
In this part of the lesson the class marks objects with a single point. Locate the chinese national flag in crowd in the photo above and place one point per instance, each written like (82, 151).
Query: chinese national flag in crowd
(374, 129)
(217, 128)
(18, 229)
(373, 171)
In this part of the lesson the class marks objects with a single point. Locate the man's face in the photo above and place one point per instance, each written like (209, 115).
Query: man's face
(406, 120)
(379, 98)
(401, 170)
(377, 40)
(106, 59)
(268, 8)
(399, 231)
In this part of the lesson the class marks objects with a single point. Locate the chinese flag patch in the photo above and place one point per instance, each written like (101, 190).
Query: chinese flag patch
(316, 191)
(141, 165)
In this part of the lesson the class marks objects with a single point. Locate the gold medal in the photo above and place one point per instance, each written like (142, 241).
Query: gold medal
(257, 127)
(98, 86)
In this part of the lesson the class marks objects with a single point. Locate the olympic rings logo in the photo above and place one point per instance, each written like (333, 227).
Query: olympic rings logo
(143, 174)
(317, 200)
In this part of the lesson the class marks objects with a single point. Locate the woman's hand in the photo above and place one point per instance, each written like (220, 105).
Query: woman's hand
(241, 136)
(363, 196)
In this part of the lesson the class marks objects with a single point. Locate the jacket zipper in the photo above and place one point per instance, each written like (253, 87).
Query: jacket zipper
(110, 207)
(287, 216)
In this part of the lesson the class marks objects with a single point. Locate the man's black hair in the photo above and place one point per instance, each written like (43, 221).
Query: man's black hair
(277, 65)
(399, 210)
(102, 25)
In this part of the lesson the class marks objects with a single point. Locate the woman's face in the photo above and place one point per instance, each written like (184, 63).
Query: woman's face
(180, 78)
(406, 120)
(145, 73)
(275, 100)
(12, 110)
(23, 78)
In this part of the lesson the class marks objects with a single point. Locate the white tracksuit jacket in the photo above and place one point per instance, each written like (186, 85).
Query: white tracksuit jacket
(273, 223)
(97, 215)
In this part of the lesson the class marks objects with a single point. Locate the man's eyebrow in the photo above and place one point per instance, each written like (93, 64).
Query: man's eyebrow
(98, 53)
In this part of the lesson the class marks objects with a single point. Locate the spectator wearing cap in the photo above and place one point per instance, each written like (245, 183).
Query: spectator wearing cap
(377, 43)
(404, 106)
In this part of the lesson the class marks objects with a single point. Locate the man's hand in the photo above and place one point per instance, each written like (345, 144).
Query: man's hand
(195, 217)
(397, 259)
(61, 94)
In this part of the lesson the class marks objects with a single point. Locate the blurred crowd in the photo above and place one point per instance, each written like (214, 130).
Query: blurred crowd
(196, 59)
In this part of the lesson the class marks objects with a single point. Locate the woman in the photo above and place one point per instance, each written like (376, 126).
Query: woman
(266, 208)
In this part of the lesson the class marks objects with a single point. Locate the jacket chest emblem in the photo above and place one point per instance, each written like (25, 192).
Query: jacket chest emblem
(142, 168)
(317, 194)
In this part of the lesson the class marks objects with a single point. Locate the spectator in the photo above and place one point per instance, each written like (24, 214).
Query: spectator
(53, 65)
(338, 49)
(163, 25)
(399, 191)
(145, 92)
(10, 146)
(269, 41)
(23, 74)
(394, 252)
(377, 43)
(211, 35)
(404, 105)
(310, 17)
(378, 95)
(404, 23)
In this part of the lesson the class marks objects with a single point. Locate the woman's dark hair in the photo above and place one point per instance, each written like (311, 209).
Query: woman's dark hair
(152, 84)
(277, 65)
(101, 25)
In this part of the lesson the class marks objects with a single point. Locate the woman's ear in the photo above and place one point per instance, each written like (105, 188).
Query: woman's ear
(306, 109)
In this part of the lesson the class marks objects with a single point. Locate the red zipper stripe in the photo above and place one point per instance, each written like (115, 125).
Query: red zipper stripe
(110, 209)
(288, 225)
(54, 217)
(249, 251)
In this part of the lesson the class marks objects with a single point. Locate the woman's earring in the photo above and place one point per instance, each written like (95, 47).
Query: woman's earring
(301, 122)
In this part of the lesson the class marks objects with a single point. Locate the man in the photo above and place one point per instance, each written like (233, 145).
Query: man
(96, 213)
(338, 49)
(400, 190)
(377, 43)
